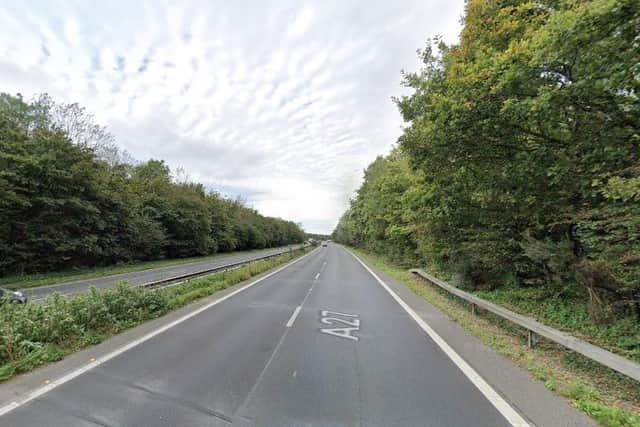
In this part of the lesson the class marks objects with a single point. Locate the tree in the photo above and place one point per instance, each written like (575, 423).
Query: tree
(524, 151)
(63, 204)
(53, 212)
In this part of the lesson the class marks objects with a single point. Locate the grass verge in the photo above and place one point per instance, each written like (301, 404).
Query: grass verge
(566, 309)
(24, 281)
(608, 397)
(35, 334)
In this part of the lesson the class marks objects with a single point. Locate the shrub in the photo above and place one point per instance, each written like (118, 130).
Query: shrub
(34, 334)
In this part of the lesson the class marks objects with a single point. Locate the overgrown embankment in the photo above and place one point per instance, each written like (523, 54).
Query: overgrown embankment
(567, 310)
(519, 168)
(34, 334)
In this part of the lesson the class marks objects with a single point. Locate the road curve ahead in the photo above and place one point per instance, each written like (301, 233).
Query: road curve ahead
(151, 275)
(319, 343)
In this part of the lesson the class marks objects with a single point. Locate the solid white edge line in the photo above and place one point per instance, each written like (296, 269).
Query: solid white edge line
(73, 374)
(511, 415)
(293, 316)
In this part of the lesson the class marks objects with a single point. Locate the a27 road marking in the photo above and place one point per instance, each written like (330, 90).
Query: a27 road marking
(335, 318)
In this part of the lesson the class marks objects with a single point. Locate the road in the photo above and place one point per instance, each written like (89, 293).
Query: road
(147, 276)
(318, 343)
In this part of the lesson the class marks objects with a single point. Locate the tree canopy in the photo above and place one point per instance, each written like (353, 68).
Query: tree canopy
(520, 161)
(70, 198)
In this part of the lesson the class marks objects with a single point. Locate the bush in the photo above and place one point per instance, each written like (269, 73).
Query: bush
(34, 334)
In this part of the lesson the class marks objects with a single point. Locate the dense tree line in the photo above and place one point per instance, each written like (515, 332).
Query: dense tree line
(70, 198)
(520, 161)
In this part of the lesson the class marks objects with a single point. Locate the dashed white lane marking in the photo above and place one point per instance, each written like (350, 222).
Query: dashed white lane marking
(294, 315)
(298, 308)
(510, 414)
(73, 374)
(275, 352)
(262, 374)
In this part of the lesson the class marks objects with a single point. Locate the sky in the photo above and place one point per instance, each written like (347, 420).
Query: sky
(283, 103)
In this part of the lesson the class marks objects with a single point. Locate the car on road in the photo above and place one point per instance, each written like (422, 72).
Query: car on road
(325, 244)
(16, 297)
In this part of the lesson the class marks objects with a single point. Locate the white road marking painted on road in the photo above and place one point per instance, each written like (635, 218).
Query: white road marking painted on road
(293, 316)
(513, 417)
(317, 275)
(331, 321)
(262, 374)
(324, 264)
(68, 377)
(298, 308)
(352, 322)
(324, 313)
(341, 332)
(273, 355)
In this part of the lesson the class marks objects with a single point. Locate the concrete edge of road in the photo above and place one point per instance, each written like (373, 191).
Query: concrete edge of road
(26, 387)
(529, 397)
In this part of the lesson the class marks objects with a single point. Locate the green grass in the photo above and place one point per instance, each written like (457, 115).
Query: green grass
(35, 334)
(43, 279)
(608, 397)
(566, 310)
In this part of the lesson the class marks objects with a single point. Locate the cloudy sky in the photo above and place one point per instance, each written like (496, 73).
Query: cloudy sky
(282, 102)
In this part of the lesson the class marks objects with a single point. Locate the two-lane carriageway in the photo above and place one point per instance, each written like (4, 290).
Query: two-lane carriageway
(320, 342)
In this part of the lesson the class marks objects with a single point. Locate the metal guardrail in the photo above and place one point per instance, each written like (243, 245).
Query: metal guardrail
(618, 363)
(225, 267)
(158, 284)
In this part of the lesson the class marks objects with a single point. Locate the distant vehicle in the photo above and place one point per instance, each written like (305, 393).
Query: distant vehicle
(16, 297)
(324, 244)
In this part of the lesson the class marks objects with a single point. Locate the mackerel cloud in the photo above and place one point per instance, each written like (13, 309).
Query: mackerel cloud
(283, 103)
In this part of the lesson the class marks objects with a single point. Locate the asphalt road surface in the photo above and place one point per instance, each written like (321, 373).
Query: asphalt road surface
(147, 276)
(318, 343)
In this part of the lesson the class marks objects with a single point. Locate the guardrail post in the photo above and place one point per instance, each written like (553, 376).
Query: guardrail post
(532, 339)
(534, 328)
(473, 309)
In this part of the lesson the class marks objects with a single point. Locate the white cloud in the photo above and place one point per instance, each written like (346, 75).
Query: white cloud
(284, 102)
(302, 22)
(72, 32)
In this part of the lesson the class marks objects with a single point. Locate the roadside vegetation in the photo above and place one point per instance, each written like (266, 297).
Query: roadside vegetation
(69, 199)
(518, 173)
(35, 334)
(610, 398)
(569, 311)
